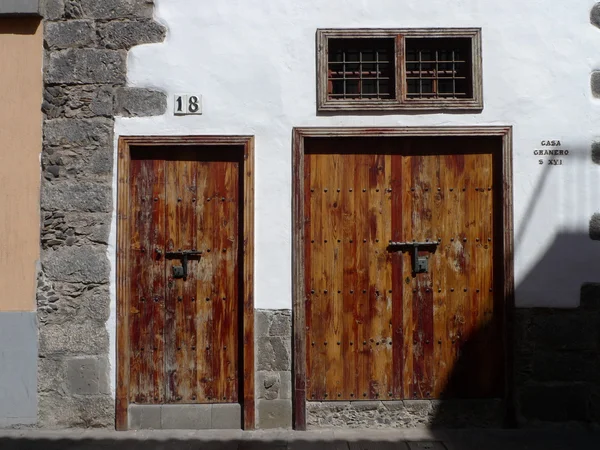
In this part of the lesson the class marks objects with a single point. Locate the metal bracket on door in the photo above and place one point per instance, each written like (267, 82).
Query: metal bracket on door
(420, 263)
(181, 271)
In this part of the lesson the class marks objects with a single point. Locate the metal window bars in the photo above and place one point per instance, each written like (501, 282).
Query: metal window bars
(361, 69)
(438, 68)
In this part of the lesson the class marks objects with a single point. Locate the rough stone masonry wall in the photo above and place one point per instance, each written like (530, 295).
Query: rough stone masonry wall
(273, 334)
(86, 44)
(557, 363)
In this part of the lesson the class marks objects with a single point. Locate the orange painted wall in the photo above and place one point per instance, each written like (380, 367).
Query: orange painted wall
(20, 148)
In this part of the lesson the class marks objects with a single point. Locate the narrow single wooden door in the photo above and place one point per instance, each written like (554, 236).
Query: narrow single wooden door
(185, 205)
(377, 328)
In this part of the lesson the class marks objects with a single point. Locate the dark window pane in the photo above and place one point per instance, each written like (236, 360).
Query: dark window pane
(367, 72)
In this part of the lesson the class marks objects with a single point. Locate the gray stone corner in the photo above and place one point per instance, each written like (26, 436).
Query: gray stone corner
(596, 152)
(595, 15)
(139, 102)
(129, 33)
(595, 83)
(52, 9)
(595, 227)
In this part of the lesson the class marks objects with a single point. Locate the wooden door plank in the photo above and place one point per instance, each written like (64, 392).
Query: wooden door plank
(332, 276)
(318, 344)
(225, 295)
(350, 278)
(307, 297)
(422, 297)
(180, 326)
(361, 290)
(205, 211)
(401, 374)
(379, 317)
(407, 299)
(148, 283)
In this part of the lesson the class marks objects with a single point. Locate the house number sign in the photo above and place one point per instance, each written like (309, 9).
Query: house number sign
(187, 104)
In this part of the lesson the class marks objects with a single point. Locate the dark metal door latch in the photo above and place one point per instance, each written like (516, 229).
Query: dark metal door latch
(181, 271)
(420, 263)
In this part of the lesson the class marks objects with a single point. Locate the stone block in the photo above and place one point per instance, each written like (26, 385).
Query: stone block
(268, 385)
(88, 376)
(394, 405)
(18, 367)
(135, 102)
(595, 83)
(590, 298)
(285, 391)
(86, 66)
(112, 9)
(77, 264)
(63, 411)
(595, 15)
(78, 196)
(365, 406)
(273, 354)
(262, 323)
(558, 403)
(565, 366)
(595, 227)
(69, 34)
(126, 34)
(563, 330)
(281, 324)
(421, 408)
(69, 133)
(52, 375)
(78, 102)
(84, 338)
(274, 414)
(595, 152)
(52, 9)
(144, 417)
(77, 163)
(185, 417)
(226, 416)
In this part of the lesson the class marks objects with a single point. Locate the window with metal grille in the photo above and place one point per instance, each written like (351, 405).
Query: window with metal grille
(395, 69)
(438, 68)
(361, 69)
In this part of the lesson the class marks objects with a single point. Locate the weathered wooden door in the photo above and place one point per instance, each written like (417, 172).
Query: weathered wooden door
(184, 286)
(379, 326)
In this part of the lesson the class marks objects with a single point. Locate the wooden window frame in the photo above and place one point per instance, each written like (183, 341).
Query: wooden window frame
(124, 269)
(401, 102)
(505, 209)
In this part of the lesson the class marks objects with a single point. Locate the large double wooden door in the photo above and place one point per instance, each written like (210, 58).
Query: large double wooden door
(379, 326)
(184, 248)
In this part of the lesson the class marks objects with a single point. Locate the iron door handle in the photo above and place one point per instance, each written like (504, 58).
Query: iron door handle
(182, 272)
(420, 263)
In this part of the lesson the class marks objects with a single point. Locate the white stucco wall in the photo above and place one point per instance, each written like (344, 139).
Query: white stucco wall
(254, 63)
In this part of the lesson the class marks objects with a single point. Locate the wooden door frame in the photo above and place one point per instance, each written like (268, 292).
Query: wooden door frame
(298, 312)
(123, 263)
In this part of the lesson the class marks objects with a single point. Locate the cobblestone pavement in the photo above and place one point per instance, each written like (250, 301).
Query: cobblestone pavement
(414, 439)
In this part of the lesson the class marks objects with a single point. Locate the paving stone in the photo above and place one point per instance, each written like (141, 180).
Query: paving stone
(186, 417)
(274, 414)
(226, 416)
(144, 417)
